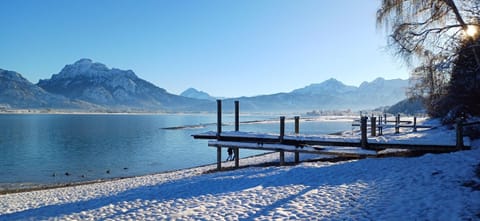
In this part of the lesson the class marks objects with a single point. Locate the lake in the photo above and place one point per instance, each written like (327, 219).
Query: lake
(40, 149)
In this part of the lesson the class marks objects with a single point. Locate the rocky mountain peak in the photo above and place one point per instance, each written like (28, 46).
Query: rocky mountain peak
(87, 68)
(12, 76)
(381, 82)
(194, 93)
(329, 86)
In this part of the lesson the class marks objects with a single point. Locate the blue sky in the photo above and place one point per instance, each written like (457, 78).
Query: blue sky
(226, 48)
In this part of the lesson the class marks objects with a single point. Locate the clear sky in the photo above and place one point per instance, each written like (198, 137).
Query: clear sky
(226, 48)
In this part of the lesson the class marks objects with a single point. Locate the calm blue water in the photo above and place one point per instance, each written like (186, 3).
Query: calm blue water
(34, 147)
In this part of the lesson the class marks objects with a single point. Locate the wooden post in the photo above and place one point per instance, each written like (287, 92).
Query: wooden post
(373, 126)
(237, 117)
(237, 156)
(219, 157)
(397, 124)
(363, 129)
(459, 142)
(414, 124)
(385, 118)
(282, 157)
(282, 128)
(219, 118)
(380, 126)
(297, 131)
(297, 124)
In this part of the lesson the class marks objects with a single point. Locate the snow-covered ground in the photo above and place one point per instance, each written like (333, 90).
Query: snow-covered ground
(430, 187)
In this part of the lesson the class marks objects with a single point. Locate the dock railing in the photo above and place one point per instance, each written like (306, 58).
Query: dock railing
(296, 143)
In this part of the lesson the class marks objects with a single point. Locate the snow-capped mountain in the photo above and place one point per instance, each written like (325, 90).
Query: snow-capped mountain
(93, 86)
(330, 94)
(381, 91)
(194, 93)
(331, 85)
(113, 88)
(18, 92)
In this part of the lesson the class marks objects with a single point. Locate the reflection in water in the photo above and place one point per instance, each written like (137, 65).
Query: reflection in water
(44, 148)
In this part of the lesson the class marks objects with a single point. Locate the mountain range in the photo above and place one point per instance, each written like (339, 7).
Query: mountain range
(194, 93)
(329, 95)
(113, 89)
(92, 86)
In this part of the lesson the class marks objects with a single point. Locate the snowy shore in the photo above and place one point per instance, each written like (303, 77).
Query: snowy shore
(429, 187)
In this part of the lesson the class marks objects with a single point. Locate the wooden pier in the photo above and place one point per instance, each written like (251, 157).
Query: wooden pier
(355, 146)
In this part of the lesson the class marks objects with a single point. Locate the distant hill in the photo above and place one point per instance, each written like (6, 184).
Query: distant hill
(92, 86)
(330, 94)
(194, 93)
(331, 85)
(381, 92)
(409, 106)
(18, 93)
(113, 88)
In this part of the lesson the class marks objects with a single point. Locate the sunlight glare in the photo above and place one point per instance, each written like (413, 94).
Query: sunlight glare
(471, 31)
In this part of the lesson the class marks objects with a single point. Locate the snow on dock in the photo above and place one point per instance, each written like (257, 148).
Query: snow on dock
(430, 187)
(355, 144)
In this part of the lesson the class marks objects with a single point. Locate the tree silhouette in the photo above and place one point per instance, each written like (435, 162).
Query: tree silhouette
(430, 35)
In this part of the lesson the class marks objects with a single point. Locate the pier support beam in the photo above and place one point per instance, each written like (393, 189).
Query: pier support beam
(237, 157)
(414, 124)
(297, 124)
(397, 124)
(282, 128)
(380, 126)
(297, 131)
(363, 130)
(219, 118)
(373, 126)
(282, 157)
(237, 117)
(219, 157)
(459, 128)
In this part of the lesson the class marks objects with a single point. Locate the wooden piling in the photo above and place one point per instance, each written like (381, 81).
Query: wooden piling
(237, 156)
(297, 131)
(282, 128)
(385, 118)
(363, 129)
(459, 141)
(297, 124)
(219, 117)
(219, 157)
(397, 124)
(237, 117)
(282, 157)
(414, 124)
(373, 126)
(380, 126)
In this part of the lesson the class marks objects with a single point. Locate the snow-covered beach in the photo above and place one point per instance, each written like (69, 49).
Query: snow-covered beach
(429, 187)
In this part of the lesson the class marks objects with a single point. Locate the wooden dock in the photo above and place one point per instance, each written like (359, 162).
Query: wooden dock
(355, 146)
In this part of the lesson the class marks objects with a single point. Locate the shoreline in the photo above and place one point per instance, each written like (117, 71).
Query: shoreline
(256, 161)
(18, 187)
(206, 167)
(437, 186)
(37, 187)
(305, 115)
